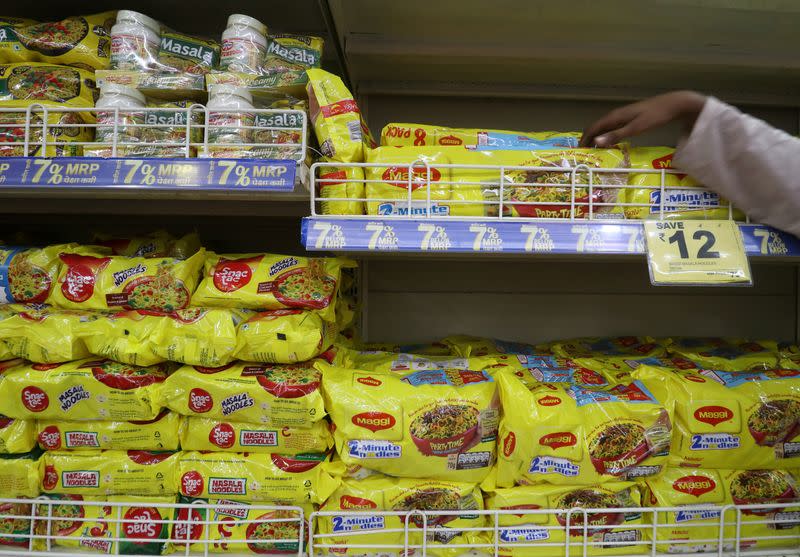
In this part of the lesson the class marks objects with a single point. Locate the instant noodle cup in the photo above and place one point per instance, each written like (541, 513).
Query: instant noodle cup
(83, 390)
(698, 495)
(284, 336)
(158, 434)
(567, 433)
(282, 480)
(27, 274)
(726, 354)
(268, 394)
(438, 424)
(345, 183)
(607, 529)
(204, 434)
(419, 135)
(335, 116)
(543, 190)
(240, 527)
(44, 334)
(723, 417)
(361, 498)
(684, 198)
(109, 472)
(17, 436)
(160, 284)
(403, 362)
(19, 475)
(264, 281)
(80, 41)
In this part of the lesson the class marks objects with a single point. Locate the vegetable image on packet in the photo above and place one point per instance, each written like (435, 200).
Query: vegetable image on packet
(267, 394)
(159, 434)
(726, 354)
(75, 522)
(160, 284)
(683, 198)
(83, 390)
(422, 135)
(79, 41)
(382, 493)
(241, 527)
(284, 336)
(722, 417)
(205, 434)
(44, 334)
(694, 527)
(28, 274)
(282, 480)
(567, 433)
(466, 188)
(607, 532)
(345, 183)
(335, 116)
(438, 424)
(17, 436)
(19, 474)
(109, 472)
(265, 281)
(15, 532)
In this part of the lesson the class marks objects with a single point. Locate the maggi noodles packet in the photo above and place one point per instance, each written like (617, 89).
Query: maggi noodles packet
(335, 116)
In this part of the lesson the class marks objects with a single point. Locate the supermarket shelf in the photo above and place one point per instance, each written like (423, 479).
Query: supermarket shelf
(736, 50)
(508, 236)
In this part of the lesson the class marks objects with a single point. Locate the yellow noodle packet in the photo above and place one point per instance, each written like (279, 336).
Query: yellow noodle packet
(17, 436)
(284, 336)
(205, 434)
(19, 474)
(46, 335)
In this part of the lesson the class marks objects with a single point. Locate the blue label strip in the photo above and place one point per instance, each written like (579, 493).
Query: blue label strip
(206, 174)
(497, 236)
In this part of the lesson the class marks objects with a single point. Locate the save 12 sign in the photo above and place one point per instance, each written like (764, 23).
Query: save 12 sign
(702, 253)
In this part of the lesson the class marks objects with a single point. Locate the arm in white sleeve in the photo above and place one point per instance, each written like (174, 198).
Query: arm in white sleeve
(754, 165)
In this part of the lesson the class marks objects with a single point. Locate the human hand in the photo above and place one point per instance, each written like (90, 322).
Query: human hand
(642, 116)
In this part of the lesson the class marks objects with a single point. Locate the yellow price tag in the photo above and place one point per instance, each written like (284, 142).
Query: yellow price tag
(701, 252)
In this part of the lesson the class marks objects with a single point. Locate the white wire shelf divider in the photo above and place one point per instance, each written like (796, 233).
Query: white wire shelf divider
(45, 526)
(705, 530)
(159, 132)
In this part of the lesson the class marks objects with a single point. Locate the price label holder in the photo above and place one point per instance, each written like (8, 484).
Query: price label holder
(699, 253)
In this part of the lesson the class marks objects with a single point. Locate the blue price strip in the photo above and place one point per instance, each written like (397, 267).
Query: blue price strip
(222, 174)
(495, 236)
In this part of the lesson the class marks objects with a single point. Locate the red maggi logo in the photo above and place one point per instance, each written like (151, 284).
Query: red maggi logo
(398, 176)
(549, 401)
(369, 381)
(713, 415)
(558, 440)
(350, 502)
(694, 485)
(663, 162)
(509, 444)
(450, 140)
(374, 421)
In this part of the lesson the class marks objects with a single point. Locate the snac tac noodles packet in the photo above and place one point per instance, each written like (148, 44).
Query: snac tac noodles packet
(420, 135)
(335, 116)
(696, 528)
(567, 433)
(609, 532)
(268, 394)
(19, 475)
(80, 41)
(726, 353)
(242, 528)
(722, 417)
(204, 434)
(282, 480)
(124, 336)
(109, 472)
(145, 527)
(82, 390)
(161, 284)
(45, 334)
(265, 281)
(27, 274)
(17, 436)
(439, 424)
(382, 493)
(284, 336)
(159, 434)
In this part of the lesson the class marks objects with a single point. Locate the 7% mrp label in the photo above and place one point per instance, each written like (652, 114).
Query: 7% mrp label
(702, 253)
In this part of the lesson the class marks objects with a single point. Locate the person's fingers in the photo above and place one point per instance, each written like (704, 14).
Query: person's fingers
(611, 138)
(611, 121)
